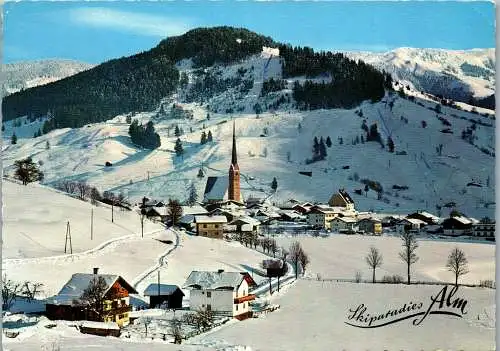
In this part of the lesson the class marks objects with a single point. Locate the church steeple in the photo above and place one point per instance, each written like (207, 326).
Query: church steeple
(234, 159)
(234, 173)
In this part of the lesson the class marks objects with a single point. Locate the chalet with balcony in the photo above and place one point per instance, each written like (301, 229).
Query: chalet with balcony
(225, 293)
(114, 307)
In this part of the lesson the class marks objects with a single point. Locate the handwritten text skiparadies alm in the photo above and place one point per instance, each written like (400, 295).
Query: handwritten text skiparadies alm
(442, 303)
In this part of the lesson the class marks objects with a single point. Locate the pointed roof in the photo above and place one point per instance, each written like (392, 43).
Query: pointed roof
(234, 159)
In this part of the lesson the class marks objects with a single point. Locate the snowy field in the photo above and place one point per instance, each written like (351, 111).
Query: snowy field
(340, 256)
(313, 313)
(35, 220)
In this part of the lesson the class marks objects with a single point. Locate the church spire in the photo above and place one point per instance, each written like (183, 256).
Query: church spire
(234, 159)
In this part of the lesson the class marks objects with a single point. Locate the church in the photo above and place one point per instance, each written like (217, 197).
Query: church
(225, 188)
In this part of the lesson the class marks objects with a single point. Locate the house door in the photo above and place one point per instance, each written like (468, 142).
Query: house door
(209, 307)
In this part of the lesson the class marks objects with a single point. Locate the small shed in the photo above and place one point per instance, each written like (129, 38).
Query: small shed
(164, 294)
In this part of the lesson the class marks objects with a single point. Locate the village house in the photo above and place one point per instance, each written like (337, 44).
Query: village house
(457, 225)
(426, 217)
(409, 225)
(346, 225)
(302, 208)
(169, 296)
(210, 226)
(68, 305)
(245, 224)
(321, 218)
(484, 229)
(342, 199)
(188, 214)
(225, 293)
(370, 225)
(291, 216)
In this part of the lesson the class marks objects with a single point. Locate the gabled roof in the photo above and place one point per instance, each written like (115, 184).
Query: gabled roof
(245, 219)
(412, 221)
(346, 219)
(210, 219)
(165, 289)
(216, 188)
(214, 280)
(193, 210)
(75, 287)
(462, 219)
(346, 196)
(369, 219)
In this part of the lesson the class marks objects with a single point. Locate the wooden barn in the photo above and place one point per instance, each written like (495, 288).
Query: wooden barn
(167, 295)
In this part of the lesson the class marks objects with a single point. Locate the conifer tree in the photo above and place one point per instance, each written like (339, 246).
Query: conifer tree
(209, 136)
(13, 139)
(177, 132)
(274, 184)
(390, 144)
(322, 149)
(316, 147)
(193, 196)
(200, 173)
(3, 127)
(328, 141)
(203, 138)
(178, 147)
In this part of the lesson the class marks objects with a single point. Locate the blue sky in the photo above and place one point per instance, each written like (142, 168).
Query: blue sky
(98, 31)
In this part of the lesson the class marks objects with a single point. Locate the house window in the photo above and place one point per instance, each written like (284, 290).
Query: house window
(209, 294)
(204, 225)
(216, 226)
(114, 304)
(124, 303)
(120, 316)
(236, 307)
(209, 307)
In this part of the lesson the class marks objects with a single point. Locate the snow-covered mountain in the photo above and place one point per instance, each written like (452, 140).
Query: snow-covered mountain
(273, 145)
(23, 75)
(454, 74)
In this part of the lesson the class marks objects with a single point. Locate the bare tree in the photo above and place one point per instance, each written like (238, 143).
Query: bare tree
(457, 263)
(10, 291)
(408, 254)
(296, 256)
(273, 247)
(93, 295)
(95, 196)
(83, 190)
(31, 290)
(304, 260)
(146, 321)
(176, 330)
(142, 216)
(374, 260)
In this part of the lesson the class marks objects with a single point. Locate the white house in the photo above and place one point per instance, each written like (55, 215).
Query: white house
(225, 293)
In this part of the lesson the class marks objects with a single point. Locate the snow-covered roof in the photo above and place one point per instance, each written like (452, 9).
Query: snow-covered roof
(462, 219)
(346, 219)
(246, 219)
(413, 221)
(216, 188)
(165, 289)
(75, 287)
(193, 210)
(429, 215)
(210, 219)
(214, 280)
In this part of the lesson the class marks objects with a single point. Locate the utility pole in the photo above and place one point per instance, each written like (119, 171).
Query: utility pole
(112, 210)
(68, 237)
(158, 284)
(91, 224)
